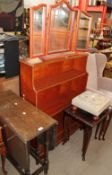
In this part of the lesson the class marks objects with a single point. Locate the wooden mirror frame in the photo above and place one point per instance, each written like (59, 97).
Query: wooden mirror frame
(43, 32)
(76, 37)
(71, 27)
(73, 32)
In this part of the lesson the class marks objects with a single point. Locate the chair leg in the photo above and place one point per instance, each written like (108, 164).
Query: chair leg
(97, 129)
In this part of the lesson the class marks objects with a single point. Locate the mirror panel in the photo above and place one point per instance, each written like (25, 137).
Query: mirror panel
(83, 31)
(37, 31)
(59, 30)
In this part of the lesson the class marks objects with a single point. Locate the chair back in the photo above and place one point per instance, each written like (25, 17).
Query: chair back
(91, 69)
(101, 60)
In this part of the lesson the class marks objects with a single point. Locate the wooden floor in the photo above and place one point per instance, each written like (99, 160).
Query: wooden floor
(66, 159)
(10, 84)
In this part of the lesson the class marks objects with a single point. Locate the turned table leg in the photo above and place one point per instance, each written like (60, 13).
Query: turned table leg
(97, 129)
(66, 124)
(105, 124)
(87, 132)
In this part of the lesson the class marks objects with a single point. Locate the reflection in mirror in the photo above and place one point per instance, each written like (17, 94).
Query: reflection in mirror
(38, 20)
(83, 32)
(36, 34)
(60, 17)
(59, 36)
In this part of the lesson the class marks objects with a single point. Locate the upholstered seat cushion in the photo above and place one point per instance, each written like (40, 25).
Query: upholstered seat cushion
(92, 102)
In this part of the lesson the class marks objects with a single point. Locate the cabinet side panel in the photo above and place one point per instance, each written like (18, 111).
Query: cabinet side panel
(27, 83)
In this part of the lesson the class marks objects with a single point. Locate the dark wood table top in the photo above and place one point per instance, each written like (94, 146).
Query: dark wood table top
(22, 117)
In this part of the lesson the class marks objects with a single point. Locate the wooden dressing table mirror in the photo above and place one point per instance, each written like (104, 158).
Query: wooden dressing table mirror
(37, 30)
(55, 71)
(60, 28)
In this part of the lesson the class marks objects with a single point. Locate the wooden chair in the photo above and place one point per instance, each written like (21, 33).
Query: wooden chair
(2, 152)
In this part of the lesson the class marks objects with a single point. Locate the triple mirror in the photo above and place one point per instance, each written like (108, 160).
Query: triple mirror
(52, 31)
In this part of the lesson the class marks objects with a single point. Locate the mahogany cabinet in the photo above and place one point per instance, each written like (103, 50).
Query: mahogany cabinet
(51, 84)
(55, 72)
